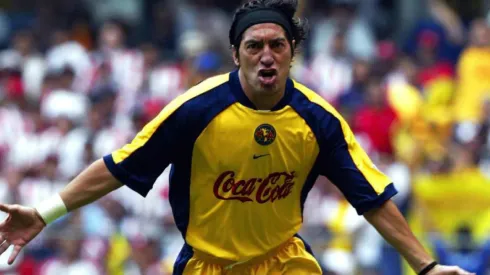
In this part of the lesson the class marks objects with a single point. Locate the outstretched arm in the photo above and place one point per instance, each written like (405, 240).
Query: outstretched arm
(136, 165)
(92, 184)
(24, 223)
(348, 166)
(390, 223)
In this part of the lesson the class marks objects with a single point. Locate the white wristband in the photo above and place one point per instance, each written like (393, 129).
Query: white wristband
(51, 209)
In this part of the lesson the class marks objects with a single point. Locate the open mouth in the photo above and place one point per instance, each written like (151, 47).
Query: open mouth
(267, 76)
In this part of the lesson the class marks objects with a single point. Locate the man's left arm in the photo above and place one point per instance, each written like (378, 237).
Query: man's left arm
(345, 163)
(391, 224)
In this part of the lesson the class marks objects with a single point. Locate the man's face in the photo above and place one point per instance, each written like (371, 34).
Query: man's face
(23, 43)
(480, 34)
(111, 36)
(264, 57)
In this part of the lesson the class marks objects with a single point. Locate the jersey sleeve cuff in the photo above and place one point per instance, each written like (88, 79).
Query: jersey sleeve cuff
(387, 194)
(125, 177)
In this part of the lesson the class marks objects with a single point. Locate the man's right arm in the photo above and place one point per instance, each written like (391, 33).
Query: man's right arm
(24, 223)
(93, 183)
(137, 165)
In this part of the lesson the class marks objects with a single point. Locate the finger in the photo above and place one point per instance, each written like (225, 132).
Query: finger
(4, 222)
(4, 246)
(14, 254)
(464, 272)
(5, 208)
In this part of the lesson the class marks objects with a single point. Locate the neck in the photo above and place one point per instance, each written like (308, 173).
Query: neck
(262, 101)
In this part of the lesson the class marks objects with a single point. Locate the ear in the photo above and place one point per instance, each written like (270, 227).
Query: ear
(293, 51)
(235, 56)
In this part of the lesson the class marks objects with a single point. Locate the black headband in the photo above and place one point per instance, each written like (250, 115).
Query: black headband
(259, 16)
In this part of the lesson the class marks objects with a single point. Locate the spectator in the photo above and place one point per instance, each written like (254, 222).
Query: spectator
(164, 79)
(446, 25)
(376, 120)
(31, 63)
(359, 37)
(66, 52)
(354, 97)
(69, 261)
(331, 70)
(431, 68)
(473, 83)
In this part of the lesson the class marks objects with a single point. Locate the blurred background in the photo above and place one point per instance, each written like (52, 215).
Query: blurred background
(78, 79)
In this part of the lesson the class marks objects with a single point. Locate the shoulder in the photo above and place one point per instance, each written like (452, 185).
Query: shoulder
(203, 95)
(204, 87)
(310, 101)
(323, 119)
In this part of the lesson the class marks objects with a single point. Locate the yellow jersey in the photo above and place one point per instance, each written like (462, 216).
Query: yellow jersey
(240, 176)
(473, 84)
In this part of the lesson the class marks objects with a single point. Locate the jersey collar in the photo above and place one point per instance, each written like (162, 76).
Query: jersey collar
(236, 89)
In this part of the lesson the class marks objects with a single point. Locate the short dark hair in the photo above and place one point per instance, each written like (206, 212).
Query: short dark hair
(287, 7)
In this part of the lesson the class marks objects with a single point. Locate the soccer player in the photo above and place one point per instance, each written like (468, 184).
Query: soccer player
(245, 149)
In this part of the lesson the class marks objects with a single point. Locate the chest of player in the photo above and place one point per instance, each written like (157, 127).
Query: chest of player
(240, 138)
(246, 149)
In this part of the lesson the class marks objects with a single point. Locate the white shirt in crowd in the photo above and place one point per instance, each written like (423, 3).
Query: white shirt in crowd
(80, 267)
(330, 76)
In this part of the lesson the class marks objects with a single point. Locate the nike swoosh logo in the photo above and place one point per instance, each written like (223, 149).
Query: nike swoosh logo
(259, 156)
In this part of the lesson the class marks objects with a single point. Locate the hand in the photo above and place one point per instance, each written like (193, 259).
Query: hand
(20, 227)
(448, 270)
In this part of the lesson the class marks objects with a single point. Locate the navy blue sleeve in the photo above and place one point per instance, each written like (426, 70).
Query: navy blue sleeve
(139, 163)
(347, 165)
(341, 159)
(169, 138)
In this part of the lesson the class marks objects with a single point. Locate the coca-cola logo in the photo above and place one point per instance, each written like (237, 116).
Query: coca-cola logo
(275, 186)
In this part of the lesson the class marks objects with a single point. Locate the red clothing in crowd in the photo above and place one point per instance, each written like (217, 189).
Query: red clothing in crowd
(437, 71)
(376, 124)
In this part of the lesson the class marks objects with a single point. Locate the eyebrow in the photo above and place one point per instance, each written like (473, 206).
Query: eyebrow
(254, 40)
(280, 39)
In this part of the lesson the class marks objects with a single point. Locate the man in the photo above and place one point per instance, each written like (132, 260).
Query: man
(245, 148)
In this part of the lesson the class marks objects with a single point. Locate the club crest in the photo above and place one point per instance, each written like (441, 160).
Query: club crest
(265, 134)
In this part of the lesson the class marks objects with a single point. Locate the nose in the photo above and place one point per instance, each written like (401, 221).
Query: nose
(267, 59)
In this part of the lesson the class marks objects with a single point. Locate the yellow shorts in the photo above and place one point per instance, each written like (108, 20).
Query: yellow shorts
(291, 258)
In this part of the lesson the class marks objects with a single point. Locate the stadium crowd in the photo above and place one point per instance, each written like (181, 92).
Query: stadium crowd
(79, 78)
